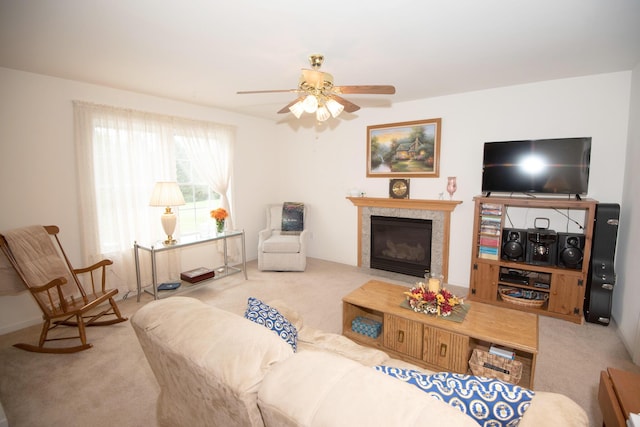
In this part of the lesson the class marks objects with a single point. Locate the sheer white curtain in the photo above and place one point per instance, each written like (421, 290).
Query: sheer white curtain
(120, 155)
(213, 162)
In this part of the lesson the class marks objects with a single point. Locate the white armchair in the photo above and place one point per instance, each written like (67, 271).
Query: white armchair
(282, 251)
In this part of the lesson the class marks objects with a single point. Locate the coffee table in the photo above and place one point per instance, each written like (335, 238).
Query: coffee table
(437, 343)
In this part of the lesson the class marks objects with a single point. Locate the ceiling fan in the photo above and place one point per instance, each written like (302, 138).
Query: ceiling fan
(318, 95)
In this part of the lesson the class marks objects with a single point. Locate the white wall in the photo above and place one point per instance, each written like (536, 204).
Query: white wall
(626, 295)
(299, 162)
(323, 164)
(596, 106)
(38, 174)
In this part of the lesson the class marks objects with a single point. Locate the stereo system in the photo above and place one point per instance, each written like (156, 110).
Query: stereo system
(541, 246)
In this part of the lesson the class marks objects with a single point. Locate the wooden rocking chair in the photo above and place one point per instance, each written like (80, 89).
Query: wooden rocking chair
(47, 273)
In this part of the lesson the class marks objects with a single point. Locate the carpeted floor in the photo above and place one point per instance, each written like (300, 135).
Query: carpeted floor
(112, 384)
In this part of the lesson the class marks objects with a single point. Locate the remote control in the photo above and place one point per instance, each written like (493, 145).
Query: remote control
(495, 368)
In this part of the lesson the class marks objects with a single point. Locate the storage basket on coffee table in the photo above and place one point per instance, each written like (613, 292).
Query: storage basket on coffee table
(485, 364)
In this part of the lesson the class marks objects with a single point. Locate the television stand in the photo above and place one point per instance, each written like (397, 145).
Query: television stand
(558, 289)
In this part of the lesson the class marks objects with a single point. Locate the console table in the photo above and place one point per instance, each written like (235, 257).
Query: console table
(221, 271)
(437, 343)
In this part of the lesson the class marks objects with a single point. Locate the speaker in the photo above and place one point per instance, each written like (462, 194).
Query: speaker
(570, 250)
(601, 279)
(541, 246)
(514, 243)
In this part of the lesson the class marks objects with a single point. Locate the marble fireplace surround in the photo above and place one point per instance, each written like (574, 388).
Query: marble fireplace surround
(438, 211)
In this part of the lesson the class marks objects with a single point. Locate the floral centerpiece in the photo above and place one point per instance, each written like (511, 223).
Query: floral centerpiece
(219, 215)
(440, 301)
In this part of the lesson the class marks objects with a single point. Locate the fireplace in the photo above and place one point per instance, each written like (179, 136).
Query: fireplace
(401, 245)
(438, 211)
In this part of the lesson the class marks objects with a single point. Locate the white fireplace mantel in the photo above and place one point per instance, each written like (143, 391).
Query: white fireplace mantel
(441, 208)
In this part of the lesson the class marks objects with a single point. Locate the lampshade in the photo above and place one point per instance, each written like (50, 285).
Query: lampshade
(310, 104)
(319, 104)
(322, 114)
(334, 107)
(167, 194)
(297, 109)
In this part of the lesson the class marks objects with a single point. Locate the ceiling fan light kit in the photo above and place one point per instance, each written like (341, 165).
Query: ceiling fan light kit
(324, 108)
(318, 94)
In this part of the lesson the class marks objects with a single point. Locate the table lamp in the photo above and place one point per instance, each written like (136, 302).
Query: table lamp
(167, 194)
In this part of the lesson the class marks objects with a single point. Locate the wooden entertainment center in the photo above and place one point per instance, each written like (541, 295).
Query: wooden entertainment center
(546, 286)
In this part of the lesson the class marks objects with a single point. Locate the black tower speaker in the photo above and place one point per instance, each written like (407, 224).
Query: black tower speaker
(601, 279)
(570, 250)
(514, 244)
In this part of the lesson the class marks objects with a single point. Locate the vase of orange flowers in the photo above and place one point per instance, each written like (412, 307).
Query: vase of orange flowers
(219, 215)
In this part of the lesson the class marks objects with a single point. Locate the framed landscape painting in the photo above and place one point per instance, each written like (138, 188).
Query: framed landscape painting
(406, 149)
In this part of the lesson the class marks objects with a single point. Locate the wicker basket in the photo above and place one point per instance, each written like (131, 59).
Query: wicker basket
(485, 364)
(537, 300)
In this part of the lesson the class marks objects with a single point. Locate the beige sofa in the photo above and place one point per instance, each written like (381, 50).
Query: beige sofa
(216, 368)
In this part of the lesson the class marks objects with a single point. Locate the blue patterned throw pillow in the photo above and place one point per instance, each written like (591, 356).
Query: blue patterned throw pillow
(490, 402)
(263, 314)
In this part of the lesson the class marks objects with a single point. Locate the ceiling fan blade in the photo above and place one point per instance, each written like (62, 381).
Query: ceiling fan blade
(349, 106)
(285, 109)
(244, 92)
(366, 89)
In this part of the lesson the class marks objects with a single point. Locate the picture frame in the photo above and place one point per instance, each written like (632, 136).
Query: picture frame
(405, 149)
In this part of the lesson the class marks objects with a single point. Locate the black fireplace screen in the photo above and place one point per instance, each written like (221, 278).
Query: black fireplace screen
(401, 245)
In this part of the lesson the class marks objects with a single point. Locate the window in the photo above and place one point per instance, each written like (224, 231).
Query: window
(121, 154)
(200, 199)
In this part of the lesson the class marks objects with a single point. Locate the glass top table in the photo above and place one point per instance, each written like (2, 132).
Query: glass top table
(186, 241)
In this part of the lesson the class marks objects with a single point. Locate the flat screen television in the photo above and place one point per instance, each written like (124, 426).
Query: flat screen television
(547, 166)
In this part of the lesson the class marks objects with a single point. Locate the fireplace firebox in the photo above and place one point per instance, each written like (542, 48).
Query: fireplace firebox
(401, 245)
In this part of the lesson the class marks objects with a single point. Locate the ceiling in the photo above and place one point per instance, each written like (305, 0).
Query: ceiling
(204, 51)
